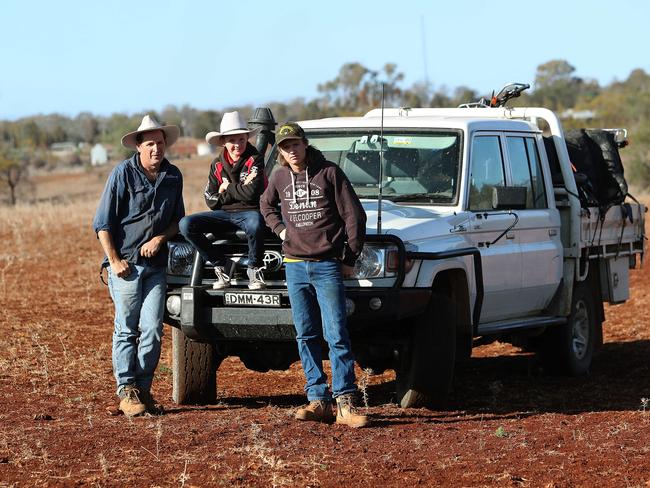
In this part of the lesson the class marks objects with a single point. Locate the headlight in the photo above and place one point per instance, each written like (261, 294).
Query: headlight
(181, 257)
(174, 305)
(372, 262)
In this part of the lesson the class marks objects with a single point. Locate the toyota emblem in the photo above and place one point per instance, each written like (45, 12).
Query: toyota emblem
(272, 260)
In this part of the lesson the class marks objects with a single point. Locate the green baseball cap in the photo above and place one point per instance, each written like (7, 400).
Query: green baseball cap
(287, 131)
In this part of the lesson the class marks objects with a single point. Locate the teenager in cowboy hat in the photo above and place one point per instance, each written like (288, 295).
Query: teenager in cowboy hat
(235, 183)
(138, 212)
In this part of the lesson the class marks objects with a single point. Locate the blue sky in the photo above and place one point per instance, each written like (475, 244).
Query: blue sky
(128, 56)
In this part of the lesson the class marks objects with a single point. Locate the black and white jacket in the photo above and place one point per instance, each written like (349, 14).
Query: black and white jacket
(240, 194)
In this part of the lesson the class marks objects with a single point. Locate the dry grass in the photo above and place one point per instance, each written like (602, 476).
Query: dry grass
(56, 380)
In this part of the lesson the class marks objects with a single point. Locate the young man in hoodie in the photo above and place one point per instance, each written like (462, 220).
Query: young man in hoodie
(235, 183)
(322, 225)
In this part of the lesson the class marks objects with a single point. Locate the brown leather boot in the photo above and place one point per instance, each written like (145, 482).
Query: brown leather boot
(346, 412)
(130, 402)
(316, 411)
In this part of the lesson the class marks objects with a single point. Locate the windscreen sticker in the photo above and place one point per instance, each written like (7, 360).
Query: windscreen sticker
(402, 141)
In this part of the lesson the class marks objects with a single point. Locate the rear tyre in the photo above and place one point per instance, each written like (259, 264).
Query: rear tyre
(569, 348)
(426, 368)
(194, 370)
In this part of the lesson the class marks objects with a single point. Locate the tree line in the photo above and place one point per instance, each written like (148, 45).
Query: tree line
(356, 89)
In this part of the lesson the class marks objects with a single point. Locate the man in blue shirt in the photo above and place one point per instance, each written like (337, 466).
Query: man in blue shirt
(138, 212)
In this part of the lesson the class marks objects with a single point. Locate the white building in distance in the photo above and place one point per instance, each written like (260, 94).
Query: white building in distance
(204, 149)
(98, 155)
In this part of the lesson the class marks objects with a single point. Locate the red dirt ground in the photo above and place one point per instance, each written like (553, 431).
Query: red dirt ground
(508, 423)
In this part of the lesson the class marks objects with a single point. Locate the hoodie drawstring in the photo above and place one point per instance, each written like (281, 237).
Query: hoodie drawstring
(293, 185)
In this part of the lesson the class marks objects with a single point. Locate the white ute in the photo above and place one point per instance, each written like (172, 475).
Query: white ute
(476, 232)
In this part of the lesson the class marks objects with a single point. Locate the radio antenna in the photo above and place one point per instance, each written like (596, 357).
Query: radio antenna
(424, 52)
(381, 162)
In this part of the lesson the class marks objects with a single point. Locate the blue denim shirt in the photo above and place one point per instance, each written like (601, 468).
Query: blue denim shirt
(133, 209)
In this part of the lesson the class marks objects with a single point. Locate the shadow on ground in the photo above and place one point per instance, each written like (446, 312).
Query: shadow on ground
(618, 380)
(506, 387)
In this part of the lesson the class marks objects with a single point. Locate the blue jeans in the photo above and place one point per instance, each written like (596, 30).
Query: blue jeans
(194, 227)
(317, 296)
(139, 306)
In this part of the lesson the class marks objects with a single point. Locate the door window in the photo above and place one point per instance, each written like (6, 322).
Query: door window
(526, 171)
(487, 171)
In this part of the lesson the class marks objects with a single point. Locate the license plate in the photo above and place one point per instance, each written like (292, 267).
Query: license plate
(252, 299)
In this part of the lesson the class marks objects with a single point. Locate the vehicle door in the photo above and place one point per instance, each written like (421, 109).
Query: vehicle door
(538, 228)
(502, 261)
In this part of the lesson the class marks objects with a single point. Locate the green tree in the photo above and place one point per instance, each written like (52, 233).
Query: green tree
(357, 89)
(343, 92)
(173, 116)
(205, 122)
(636, 160)
(463, 94)
(440, 99)
(115, 127)
(13, 171)
(557, 88)
(87, 127)
(57, 134)
(30, 135)
(552, 72)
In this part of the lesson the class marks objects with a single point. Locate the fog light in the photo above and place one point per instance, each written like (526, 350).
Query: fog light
(349, 307)
(174, 305)
(375, 303)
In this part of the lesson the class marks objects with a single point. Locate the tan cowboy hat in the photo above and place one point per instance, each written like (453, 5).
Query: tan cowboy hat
(148, 124)
(232, 123)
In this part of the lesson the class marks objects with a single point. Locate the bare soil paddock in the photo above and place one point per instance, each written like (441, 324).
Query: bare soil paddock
(508, 424)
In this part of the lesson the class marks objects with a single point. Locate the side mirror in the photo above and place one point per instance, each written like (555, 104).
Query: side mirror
(509, 197)
(581, 179)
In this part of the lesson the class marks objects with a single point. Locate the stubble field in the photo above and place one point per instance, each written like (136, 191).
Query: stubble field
(508, 423)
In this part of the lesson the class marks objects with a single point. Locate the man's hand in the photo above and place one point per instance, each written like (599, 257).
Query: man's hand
(224, 185)
(120, 268)
(348, 271)
(283, 233)
(150, 248)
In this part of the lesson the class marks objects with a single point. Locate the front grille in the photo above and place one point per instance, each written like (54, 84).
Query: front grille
(237, 251)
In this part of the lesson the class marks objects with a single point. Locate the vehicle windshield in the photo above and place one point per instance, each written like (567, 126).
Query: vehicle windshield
(417, 167)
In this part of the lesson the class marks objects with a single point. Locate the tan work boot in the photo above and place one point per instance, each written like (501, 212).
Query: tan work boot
(346, 412)
(130, 402)
(316, 411)
(153, 407)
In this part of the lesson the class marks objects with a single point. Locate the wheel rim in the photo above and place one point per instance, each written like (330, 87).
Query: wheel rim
(580, 330)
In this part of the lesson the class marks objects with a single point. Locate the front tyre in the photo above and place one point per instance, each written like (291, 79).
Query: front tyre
(426, 368)
(194, 370)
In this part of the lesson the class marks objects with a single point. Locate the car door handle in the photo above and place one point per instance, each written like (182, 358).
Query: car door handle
(510, 235)
(552, 232)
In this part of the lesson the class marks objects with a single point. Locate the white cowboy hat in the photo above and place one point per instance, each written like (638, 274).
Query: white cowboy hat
(232, 123)
(148, 124)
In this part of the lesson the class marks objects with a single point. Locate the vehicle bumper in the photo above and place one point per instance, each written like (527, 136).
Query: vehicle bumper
(203, 315)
